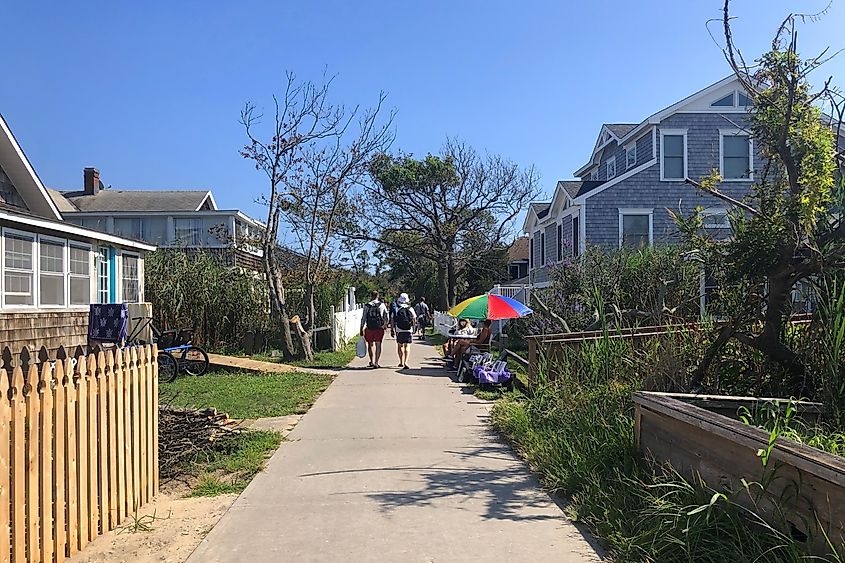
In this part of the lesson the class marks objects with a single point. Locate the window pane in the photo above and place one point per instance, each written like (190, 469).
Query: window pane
(736, 145)
(18, 252)
(727, 101)
(52, 290)
(635, 230)
(130, 279)
(187, 231)
(79, 263)
(744, 101)
(52, 257)
(18, 288)
(215, 231)
(103, 275)
(155, 230)
(96, 223)
(129, 227)
(673, 167)
(80, 290)
(735, 157)
(673, 145)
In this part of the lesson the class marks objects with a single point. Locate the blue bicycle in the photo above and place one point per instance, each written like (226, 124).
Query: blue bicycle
(176, 350)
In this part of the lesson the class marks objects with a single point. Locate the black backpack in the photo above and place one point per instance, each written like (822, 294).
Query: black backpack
(374, 318)
(403, 317)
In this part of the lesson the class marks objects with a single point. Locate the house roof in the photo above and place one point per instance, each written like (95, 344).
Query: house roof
(620, 129)
(135, 200)
(541, 208)
(20, 171)
(575, 188)
(518, 250)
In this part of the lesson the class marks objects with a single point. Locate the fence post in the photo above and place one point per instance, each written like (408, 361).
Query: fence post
(333, 325)
(532, 360)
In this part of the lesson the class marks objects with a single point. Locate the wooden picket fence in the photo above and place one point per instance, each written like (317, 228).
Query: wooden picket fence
(78, 447)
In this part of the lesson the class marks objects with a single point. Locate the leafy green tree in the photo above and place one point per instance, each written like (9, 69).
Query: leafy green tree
(443, 208)
(790, 230)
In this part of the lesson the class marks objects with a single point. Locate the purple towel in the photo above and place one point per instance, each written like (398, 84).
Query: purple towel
(108, 323)
(487, 374)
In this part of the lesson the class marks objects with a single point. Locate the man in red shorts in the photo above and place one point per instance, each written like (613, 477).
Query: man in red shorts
(373, 322)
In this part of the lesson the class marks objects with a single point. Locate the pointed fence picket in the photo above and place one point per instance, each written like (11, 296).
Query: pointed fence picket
(78, 447)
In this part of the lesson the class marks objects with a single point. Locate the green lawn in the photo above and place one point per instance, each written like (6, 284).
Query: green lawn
(247, 395)
(233, 463)
(322, 360)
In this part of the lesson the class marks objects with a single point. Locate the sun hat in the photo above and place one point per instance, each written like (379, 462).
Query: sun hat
(403, 298)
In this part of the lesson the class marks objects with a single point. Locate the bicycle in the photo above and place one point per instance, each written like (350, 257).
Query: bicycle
(176, 351)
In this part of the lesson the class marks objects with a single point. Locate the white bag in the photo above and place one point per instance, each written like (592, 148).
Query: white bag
(361, 347)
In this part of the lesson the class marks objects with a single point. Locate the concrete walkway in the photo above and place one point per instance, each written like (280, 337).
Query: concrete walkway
(394, 466)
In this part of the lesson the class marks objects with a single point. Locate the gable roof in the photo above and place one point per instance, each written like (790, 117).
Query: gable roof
(20, 171)
(620, 129)
(541, 208)
(109, 200)
(575, 188)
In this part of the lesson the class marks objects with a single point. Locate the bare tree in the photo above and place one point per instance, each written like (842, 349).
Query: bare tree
(311, 160)
(444, 208)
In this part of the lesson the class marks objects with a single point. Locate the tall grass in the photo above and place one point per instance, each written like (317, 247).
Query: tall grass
(577, 432)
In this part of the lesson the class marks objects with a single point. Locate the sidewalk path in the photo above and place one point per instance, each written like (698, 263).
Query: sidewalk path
(394, 466)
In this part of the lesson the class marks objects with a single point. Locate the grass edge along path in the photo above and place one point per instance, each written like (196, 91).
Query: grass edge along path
(233, 463)
(243, 394)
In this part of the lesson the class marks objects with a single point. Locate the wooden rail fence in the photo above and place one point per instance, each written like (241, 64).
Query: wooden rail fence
(78, 447)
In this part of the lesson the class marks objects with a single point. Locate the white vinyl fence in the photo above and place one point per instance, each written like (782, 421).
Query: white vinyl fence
(345, 326)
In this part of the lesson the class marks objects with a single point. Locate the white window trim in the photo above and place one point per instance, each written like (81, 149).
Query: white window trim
(711, 212)
(731, 133)
(630, 150)
(92, 272)
(607, 164)
(623, 211)
(122, 298)
(34, 287)
(663, 133)
(64, 274)
(97, 262)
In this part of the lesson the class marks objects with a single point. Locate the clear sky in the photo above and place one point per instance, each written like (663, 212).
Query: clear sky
(150, 92)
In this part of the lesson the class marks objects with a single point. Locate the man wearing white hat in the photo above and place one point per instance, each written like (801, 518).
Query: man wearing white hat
(403, 328)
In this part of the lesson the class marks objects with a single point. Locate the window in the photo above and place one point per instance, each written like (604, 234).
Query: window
(103, 275)
(576, 236)
(727, 101)
(129, 227)
(559, 242)
(542, 249)
(631, 156)
(594, 174)
(18, 269)
(715, 218)
(611, 168)
(51, 276)
(80, 275)
(96, 223)
(673, 148)
(743, 100)
(188, 231)
(635, 228)
(130, 279)
(736, 156)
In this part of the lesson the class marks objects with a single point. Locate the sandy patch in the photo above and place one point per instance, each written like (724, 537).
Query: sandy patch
(172, 539)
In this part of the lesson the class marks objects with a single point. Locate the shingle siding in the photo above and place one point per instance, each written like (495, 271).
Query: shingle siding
(644, 149)
(645, 190)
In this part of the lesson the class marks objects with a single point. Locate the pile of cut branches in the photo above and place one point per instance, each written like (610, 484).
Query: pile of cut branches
(187, 435)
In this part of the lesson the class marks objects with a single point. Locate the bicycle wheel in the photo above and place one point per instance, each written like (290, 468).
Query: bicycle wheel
(168, 369)
(194, 361)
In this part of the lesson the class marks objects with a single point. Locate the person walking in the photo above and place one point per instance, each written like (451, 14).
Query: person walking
(403, 328)
(423, 314)
(373, 322)
(394, 306)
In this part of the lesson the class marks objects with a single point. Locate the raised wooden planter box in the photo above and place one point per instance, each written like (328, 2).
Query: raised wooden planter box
(808, 484)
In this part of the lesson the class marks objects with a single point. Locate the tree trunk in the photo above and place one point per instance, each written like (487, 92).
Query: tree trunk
(278, 307)
(304, 338)
(442, 288)
(451, 278)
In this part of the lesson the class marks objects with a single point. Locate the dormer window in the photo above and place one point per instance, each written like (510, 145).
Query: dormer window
(594, 174)
(631, 156)
(743, 101)
(611, 168)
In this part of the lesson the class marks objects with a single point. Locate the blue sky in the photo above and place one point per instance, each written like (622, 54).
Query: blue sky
(150, 92)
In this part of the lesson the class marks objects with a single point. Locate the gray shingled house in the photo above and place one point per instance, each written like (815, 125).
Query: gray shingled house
(636, 171)
(186, 219)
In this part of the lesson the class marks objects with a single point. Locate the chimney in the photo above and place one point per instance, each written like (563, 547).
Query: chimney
(92, 185)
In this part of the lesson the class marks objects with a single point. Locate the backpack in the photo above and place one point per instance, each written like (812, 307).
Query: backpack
(403, 317)
(374, 318)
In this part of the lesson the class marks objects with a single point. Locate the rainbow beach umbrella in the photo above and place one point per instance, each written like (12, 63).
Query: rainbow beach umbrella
(491, 307)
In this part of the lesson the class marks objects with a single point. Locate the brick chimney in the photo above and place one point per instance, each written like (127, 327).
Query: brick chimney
(92, 184)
